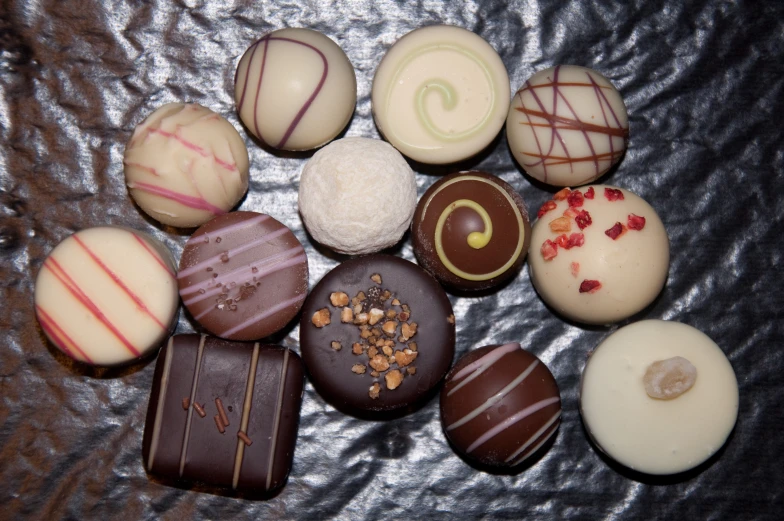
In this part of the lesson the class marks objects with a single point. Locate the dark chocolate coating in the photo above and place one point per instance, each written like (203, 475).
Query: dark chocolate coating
(224, 371)
(243, 276)
(503, 408)
(505, 245)
(331, 370)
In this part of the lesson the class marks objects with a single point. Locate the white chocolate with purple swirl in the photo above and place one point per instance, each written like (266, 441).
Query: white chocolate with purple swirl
(185, 164)
(440, 94)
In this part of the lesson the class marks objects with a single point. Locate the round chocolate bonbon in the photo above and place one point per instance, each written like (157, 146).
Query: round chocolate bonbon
(500, 405)
(243, 275)
(377, 334)
(627, 419)
(185, 164)
(107, 295)
(567, 125)
(598, 254)
(440, 94)
(471, 231)
(295, 89)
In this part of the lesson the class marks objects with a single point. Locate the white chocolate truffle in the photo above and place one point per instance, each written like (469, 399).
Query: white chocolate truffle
(440, 94)
(185, 164)
(107, 295)
(598, 255)
(357, 195)
(567, 126)
(295, 89)
(650, 435)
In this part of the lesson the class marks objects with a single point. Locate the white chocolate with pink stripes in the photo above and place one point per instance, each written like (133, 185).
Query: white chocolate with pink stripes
(107, 295)
(185, 164)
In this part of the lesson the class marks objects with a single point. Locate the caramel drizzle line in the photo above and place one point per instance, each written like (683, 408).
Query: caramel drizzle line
(278, 408)
(254, 362)
(571, 124)
(305, 106)
(186, 437)
(156, 429)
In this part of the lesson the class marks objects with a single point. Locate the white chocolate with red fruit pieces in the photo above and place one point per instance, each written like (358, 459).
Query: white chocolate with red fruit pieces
(598, 254)
(185, 164)
(649, 434)
(567, 125)
(107, 295)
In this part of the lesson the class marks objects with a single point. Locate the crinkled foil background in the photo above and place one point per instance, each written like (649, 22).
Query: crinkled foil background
(703, 82)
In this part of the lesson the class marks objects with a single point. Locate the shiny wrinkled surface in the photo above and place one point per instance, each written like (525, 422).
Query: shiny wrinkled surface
(703, 83)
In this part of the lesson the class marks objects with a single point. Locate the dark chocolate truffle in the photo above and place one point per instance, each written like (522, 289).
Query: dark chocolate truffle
(471, 231)
(223, 413)
(377, 334)
(243, 275)
(500, 405)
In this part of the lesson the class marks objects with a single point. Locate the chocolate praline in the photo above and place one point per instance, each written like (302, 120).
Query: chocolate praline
(471, 231)
(243, 276)
(362, 362)
(500, 405)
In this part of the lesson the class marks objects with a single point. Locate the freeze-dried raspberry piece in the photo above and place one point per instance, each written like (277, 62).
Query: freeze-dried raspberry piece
(549, 250)
(575, 199)
(616, 231)
(589, 193)
(613, 194)
(590, 286)
(562, 194)
(575, 268)
(571, 213)
(576, 240)
(583, 219)
(562, 241)
(546, 207)
(635, 222)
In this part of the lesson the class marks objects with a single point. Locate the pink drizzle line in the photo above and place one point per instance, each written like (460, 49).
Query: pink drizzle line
(193, 146)
(246, 223)
(154, 255)
(60, 337)
(133, 296)
(305, 106)
(185, 200)
(77, 292)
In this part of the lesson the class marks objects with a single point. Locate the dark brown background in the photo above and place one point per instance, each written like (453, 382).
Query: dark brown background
(703, 85)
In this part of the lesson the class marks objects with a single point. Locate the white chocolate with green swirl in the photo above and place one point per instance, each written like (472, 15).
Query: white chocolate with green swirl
(440, 94)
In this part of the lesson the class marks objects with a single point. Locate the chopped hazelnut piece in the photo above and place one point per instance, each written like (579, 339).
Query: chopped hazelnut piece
(375, 315)
(321, 317)
(374, 374)
(387, 350)
(346, 315)
(356, 348)
(403, 358)
(339, 299)
(406, 308)
(403, 316)
(394, 378)
(358, 368)
(391, 313)
(366, 333)
(361, 318)
(357, 308)
(395, 302)
(379, 363)
(390, 343)
(374, 391)
(385, 296)
(670, 378)
(337, 346)
(380, 342)
(376, 331)
(376, 278)
(450, 319)
(408, 330)
(411, 370)
(412, 346)
(372, 351)
(372, 340)
(389, 327)
(361, 296)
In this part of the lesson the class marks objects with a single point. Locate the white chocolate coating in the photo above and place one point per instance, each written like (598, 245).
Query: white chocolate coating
(357, 195)
(630, 269)
(440, 94)
(185, 164)
(295, 89)
(567, 125)
(107, 295)
(647, 434)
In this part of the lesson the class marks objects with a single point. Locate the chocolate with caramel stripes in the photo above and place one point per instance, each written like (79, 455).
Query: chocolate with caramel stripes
(243, 275)
(260, 390)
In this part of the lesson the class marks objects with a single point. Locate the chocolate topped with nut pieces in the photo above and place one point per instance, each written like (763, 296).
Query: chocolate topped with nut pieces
(377, 334)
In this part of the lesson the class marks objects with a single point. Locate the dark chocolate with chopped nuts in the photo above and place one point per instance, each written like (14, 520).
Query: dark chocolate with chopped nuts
(377, 334)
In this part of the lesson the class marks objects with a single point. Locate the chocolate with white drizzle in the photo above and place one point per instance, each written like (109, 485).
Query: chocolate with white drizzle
(259, 388)
(500, 405)
(243, 275)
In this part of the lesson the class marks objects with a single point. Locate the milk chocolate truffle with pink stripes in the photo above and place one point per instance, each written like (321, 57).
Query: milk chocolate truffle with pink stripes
(295, 89)
(107, 295)
(500, 405)
(186, 164)
(243, 276)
